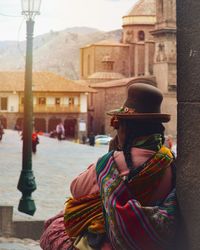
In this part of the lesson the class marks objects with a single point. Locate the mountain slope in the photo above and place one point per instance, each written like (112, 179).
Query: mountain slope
(57, 52)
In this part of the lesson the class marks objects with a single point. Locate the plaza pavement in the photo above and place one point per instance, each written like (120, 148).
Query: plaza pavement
(55, 164)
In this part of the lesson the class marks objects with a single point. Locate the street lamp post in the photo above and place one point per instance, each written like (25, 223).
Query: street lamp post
(26, 184)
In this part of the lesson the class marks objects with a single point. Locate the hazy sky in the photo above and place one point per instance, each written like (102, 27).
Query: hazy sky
(60, 14)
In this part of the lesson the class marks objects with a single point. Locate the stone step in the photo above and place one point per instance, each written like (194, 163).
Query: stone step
(31, 229)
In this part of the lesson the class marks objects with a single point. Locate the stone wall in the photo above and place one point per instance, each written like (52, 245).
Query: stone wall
(91, 59)
(31, 229)
(99, 107)
(188, 93)
(169, 106)
(114, 98)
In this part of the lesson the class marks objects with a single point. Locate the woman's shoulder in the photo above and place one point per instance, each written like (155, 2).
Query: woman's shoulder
(85, 183)
(139, 156)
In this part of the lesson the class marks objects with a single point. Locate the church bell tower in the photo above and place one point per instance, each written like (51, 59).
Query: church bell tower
(165, 45)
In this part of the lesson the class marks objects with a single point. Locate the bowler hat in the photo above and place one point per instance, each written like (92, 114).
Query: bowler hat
(143, 103)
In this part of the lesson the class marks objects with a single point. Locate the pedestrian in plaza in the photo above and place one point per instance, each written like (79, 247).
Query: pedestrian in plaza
(91, 139)
(35, 141)
(84, 138)
(53, 134)
(1, 131)
(60, 130)
(127, 199)
(17, 127)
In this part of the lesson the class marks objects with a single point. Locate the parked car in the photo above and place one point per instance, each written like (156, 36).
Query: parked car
(102, 139)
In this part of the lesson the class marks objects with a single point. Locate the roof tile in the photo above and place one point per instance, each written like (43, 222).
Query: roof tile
(42, 82)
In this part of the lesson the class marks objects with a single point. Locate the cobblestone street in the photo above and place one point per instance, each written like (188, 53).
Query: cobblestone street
(18, 244)
(55, 164)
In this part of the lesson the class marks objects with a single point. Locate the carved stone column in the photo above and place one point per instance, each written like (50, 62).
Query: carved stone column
(136, 60)
(188, 76)
(146, 59)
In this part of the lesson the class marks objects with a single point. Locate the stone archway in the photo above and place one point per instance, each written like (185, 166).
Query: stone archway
(53, 122)
(70, 128)
(40, 124)
(19, 122)
(3, 121)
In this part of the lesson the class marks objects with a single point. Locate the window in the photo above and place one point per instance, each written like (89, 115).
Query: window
(4, 103)
(50, 100)
(141, 35)
(66, 101)
(57, 101)
(22, 100)
(41, 100)
(71, 100)
(76, 102)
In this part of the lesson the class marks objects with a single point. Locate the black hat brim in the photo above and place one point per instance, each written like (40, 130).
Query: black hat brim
(157, 117)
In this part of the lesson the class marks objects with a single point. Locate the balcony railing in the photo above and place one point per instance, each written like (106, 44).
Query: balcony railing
(52, 108)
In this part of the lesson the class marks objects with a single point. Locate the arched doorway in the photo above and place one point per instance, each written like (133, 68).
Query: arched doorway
(53, 122)
(91, 127)
(3, 121)
(19, 123)
(70, 127)
(40, 124)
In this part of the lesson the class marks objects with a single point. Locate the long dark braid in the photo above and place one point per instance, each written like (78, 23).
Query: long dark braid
(127, 150)
(136, 129)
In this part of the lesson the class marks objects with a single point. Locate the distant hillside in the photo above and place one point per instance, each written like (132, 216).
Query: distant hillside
(56, 51)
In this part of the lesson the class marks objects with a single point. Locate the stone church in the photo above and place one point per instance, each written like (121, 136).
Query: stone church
(146, 53)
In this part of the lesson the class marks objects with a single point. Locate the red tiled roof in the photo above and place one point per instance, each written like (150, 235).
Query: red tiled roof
(42, 82)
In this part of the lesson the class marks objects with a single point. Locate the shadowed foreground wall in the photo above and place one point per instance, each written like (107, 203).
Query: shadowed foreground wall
(188, 73)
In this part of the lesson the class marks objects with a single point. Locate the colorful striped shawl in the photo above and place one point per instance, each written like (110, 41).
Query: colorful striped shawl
(129, 224)
(84, 214)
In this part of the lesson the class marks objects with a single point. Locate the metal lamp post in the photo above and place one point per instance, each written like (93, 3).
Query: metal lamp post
(26, 184)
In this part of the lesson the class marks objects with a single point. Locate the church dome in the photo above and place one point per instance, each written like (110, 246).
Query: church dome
(143, 8)
(143, 12)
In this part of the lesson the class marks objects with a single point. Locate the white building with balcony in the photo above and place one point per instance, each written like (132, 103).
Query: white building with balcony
(55, 99)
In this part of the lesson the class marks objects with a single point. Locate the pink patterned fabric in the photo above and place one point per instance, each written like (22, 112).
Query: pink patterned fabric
(54, 236)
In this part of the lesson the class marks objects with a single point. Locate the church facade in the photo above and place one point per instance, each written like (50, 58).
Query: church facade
(146, 53)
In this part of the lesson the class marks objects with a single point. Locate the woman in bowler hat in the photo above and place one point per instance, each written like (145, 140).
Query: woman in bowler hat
(127, 200)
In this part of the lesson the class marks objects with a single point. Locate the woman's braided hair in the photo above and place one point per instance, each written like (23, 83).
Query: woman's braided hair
(136, 129)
